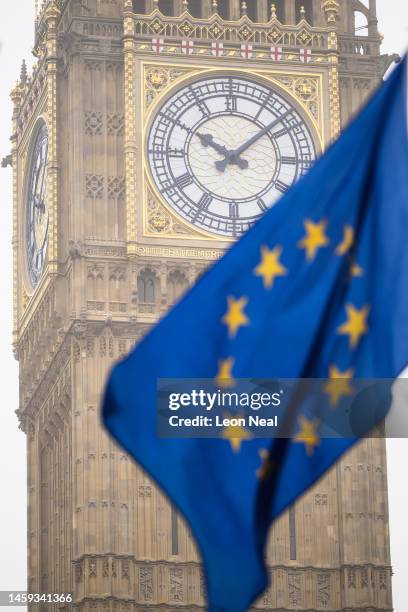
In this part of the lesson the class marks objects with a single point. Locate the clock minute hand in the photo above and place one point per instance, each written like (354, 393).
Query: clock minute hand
(261, 133)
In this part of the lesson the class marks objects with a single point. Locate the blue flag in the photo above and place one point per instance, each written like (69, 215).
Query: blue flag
(318, 288)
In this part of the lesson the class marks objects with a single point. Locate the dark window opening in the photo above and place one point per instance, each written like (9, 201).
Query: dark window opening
(174, 532)
(146, 289)
(280, 10)
(166, 7)
(139, 6)
(195, 8)
(308, 6)
(292, 533)
(252, 11)
(223, 8)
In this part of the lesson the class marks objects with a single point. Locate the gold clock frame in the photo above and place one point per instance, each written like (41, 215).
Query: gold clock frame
(170, 77)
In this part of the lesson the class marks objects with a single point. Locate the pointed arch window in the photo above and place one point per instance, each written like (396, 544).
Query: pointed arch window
(223, 9)
(195, 8)
(176, 285)
(166, 7)
(360, 24)
(174, 532)
(139, 6)
(280, 10)
(307, 5)
(146, 288)
(252, 11)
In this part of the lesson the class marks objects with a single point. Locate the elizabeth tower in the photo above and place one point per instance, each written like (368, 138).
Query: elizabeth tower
(119, 204)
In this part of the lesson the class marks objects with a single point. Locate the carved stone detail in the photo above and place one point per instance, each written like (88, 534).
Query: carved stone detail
(146, 583)
(351, 579)
(105, 568)
(93, 123)
(305, 89)
(321, 499)
(92, 568)
(161, 221)
(323, 590)
(176, 591)
(115, 123)
(125, 569)
(116, 187)
(94, 185)
(295, 588)
(157, 78)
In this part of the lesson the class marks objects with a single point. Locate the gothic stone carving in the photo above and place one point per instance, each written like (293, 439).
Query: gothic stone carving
(93, 123)
(94, 185)
(146, 583)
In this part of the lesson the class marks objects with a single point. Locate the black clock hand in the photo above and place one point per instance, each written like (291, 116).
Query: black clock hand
(230, 159)
(207, 140)
(39, 203)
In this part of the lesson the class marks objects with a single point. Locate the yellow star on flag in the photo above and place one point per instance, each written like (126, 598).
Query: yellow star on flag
(356, 324)
(315, 238)
(348, 241)
(270, 266)
(356, 271)
(235, 316)
(236, 435)
(338, 385)
(308, 434)
(266, 466)
(224, 376)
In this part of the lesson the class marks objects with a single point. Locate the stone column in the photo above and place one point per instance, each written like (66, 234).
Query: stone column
(234, 9)
(206, 10)
(290, 12)
(372, 19)
(51, 17)
(263, 13)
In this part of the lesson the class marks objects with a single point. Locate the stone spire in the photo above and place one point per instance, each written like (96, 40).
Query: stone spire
(23, 73)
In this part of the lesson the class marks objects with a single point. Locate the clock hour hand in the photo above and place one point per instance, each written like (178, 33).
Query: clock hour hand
(207, 140)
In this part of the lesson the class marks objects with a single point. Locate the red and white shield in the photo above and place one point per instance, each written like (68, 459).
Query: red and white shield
(187, 46)
(157, 45)
(246, 50)
(276, 53)
(217, 48)
(305, 56)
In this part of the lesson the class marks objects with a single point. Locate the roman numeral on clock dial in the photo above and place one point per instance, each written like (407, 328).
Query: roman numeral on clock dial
(281, 186)
(184, 180)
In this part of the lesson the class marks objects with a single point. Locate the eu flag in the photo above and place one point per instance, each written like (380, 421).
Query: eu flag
(318, 288)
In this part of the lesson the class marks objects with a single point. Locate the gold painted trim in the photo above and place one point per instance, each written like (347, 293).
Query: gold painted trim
(192, 232)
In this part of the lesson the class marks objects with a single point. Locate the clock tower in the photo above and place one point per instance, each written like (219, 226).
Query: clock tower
(149, 136)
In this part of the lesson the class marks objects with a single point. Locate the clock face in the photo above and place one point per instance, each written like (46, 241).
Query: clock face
(37, 208)
(223, 149)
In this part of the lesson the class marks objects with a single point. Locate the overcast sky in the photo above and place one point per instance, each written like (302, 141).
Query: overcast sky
(16, 39)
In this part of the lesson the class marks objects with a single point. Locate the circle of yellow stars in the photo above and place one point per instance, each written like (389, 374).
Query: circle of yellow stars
(269, 269)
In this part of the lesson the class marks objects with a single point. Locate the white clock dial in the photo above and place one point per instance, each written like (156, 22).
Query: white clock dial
(37, 207)
(223, 149)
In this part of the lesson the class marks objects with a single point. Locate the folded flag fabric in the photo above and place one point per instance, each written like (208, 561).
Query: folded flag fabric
(318, 288)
